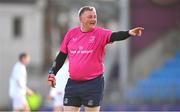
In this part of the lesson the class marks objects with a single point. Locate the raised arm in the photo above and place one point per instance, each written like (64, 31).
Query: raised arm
(122, 35)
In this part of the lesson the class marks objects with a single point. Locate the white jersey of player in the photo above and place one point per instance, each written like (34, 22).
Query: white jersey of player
(17, 83)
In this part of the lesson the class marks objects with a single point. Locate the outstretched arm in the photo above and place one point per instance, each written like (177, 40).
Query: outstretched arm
(57, 64)
(122, 35)
(136, 31)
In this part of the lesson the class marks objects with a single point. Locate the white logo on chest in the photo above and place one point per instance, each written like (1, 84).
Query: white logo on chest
(80, 47)
(74, 39)
(91, 39)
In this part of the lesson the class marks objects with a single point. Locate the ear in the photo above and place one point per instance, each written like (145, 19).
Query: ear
(80, 18)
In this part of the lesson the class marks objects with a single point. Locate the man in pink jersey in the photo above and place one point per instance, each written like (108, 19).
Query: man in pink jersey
(85, 48)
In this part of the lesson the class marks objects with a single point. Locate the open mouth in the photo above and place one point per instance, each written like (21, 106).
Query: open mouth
(92, 23)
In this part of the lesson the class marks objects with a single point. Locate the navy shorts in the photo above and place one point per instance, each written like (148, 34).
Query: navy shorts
(88, 93)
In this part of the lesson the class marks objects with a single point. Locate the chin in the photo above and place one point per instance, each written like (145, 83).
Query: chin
(92, 27)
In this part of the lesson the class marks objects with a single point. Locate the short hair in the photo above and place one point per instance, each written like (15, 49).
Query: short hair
(84, 9)
(22, 55)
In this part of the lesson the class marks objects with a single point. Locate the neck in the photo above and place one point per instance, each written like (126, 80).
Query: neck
(84, 29)
(22, 63)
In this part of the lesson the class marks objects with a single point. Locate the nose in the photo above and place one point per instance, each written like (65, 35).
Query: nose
(94, 19)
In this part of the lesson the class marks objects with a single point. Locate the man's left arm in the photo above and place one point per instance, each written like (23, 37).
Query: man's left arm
(122, 35)
(29, 92)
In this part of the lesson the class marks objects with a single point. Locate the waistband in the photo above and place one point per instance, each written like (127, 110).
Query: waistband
(98, 77)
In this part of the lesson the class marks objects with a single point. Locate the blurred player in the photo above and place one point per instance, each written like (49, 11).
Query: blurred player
(85, 48)
(17, 87)
(57, 93)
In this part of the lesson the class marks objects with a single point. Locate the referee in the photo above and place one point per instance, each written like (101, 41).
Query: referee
(85, 47)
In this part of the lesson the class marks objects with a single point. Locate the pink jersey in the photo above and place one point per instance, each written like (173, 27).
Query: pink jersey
(85, 51)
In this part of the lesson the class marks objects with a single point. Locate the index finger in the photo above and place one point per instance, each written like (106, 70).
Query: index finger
(140, 28)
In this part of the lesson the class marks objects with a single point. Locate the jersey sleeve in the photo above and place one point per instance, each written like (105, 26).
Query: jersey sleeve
(64, 45)
(106, 34)
(21, 78)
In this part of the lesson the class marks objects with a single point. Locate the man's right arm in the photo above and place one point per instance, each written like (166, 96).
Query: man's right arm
(58, 63)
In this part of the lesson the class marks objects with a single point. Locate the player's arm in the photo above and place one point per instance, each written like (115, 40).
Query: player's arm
(122, 35)
(29, 91)
(57, 64)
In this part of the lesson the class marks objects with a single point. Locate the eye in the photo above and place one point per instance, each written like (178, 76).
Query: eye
(90, 17)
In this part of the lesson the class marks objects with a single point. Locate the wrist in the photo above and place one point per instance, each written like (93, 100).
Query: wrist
(129, 32)
(51, 72)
